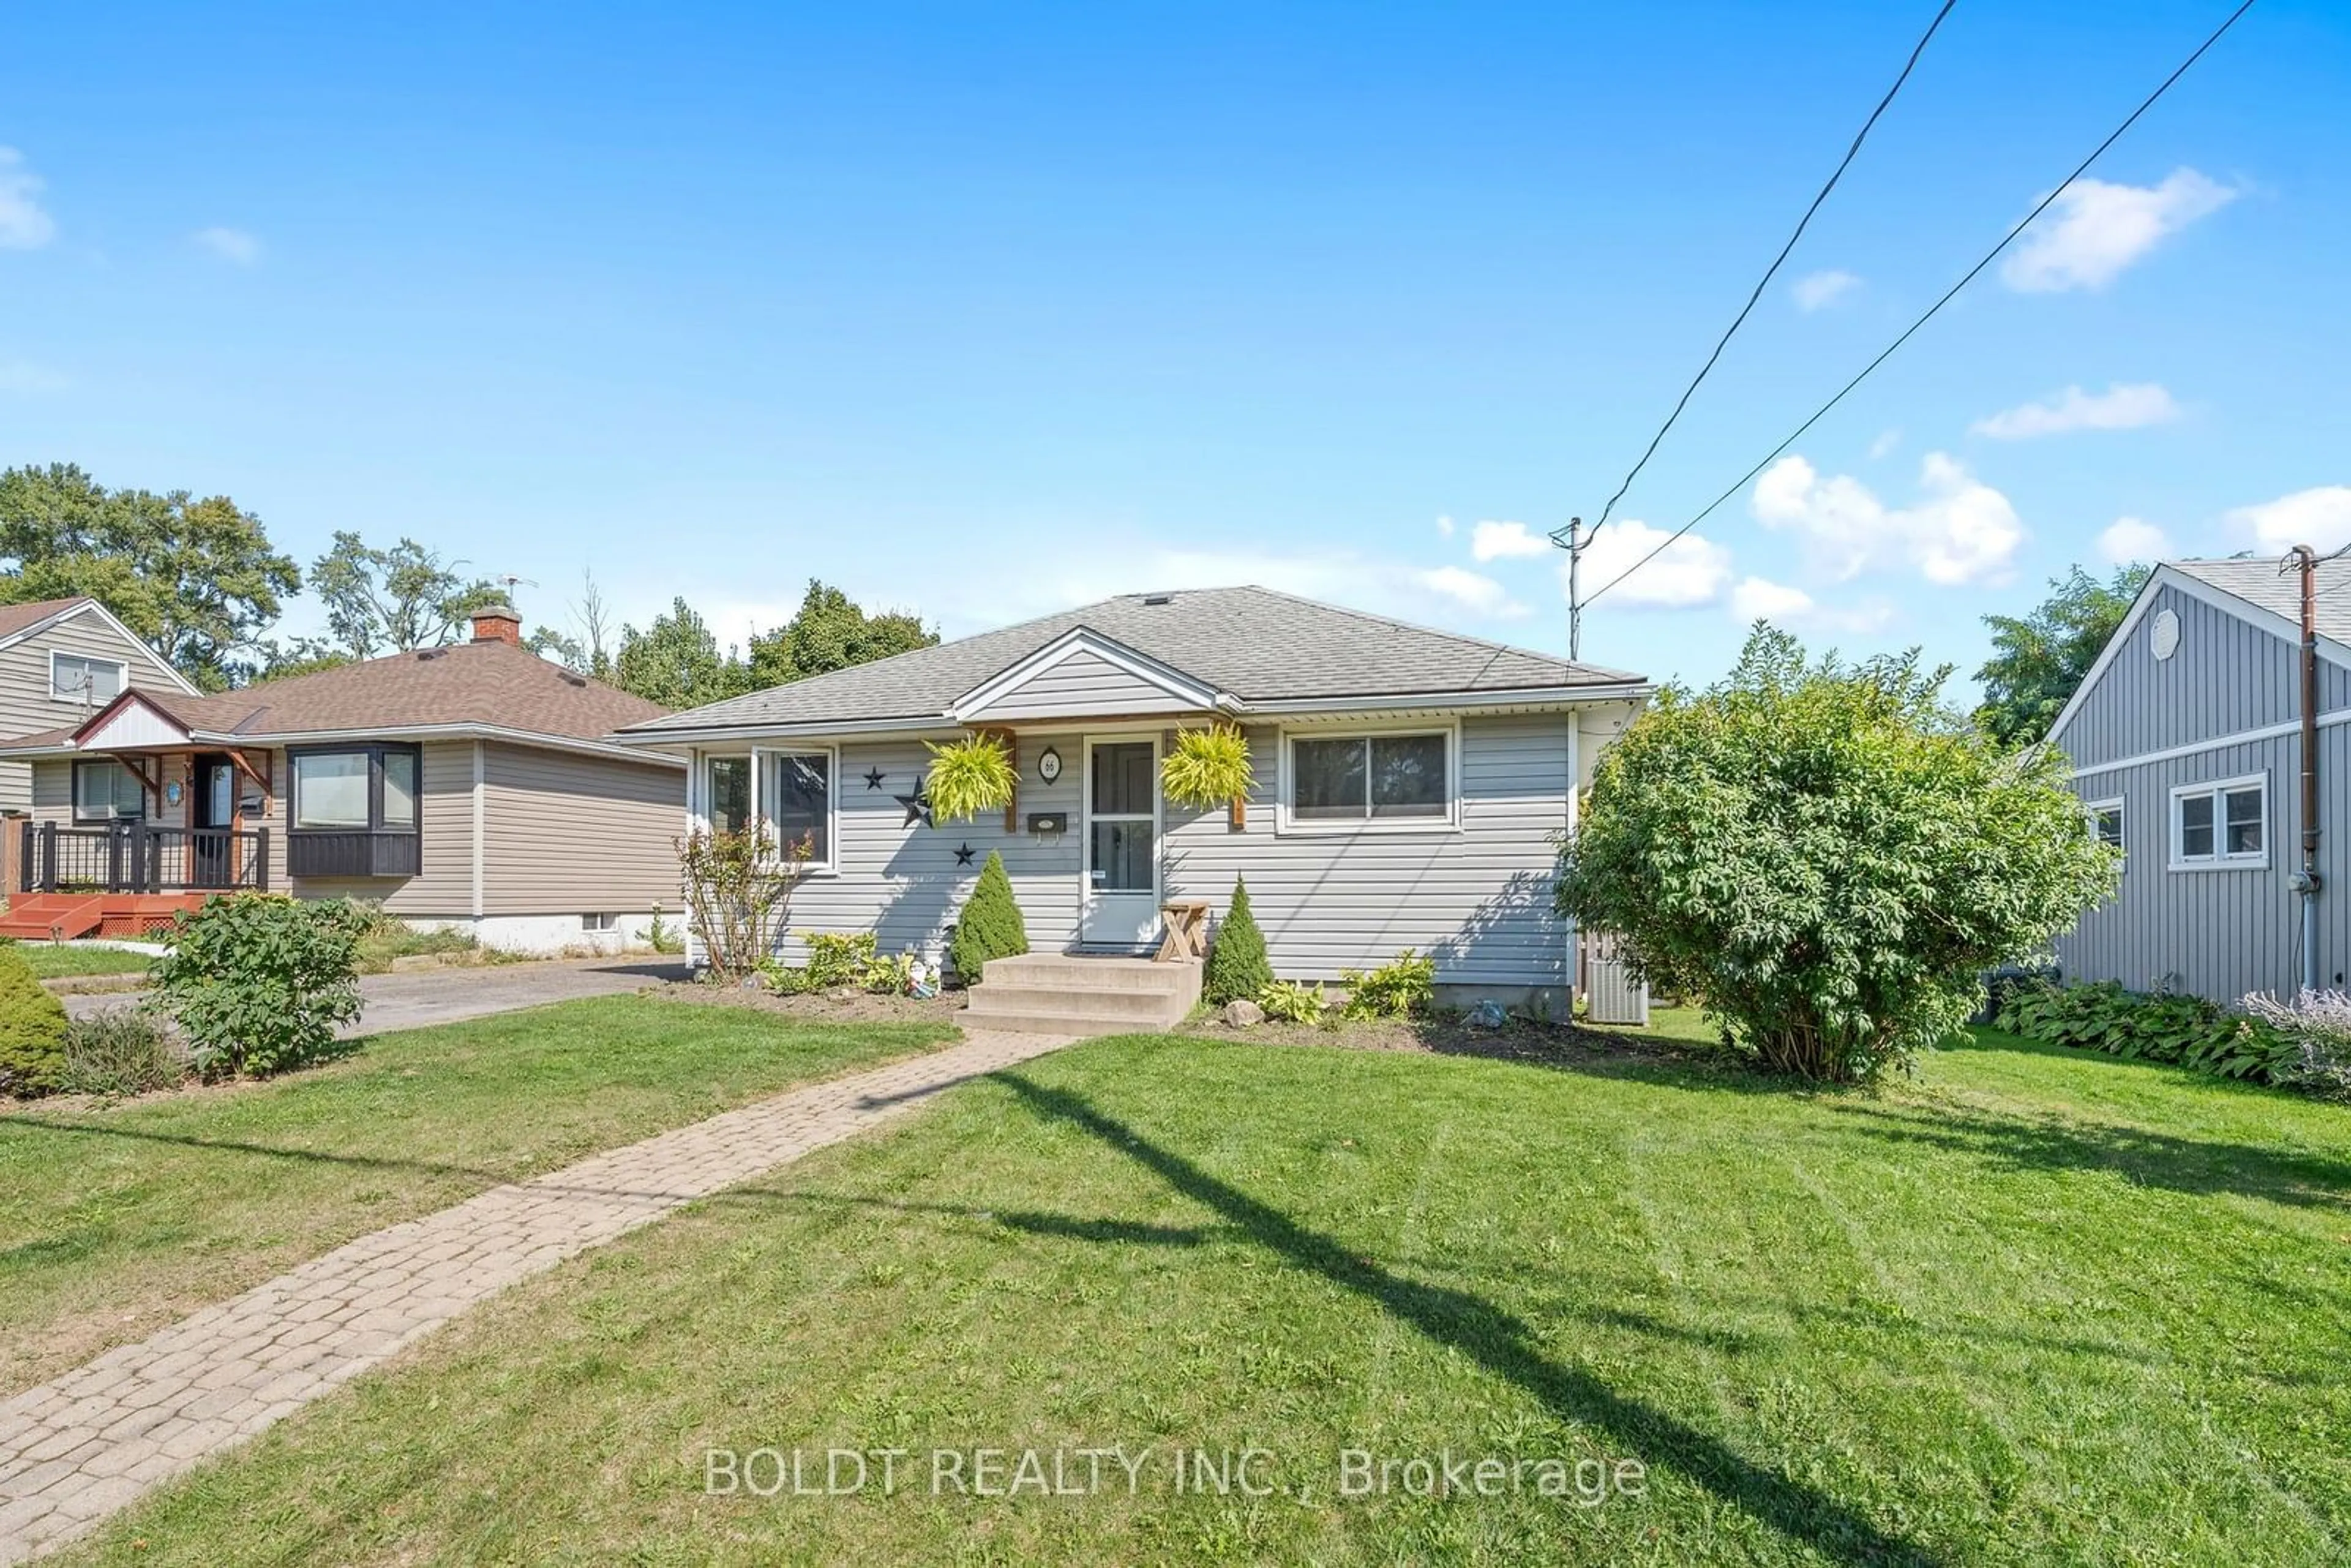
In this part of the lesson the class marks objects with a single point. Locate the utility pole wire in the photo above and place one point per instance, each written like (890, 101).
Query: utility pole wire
(1769, 272)
(1935, 308)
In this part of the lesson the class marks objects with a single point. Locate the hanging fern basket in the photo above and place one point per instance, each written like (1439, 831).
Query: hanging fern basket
(968, 776)
(1207, 768)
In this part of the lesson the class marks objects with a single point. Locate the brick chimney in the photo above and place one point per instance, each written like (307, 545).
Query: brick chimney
(498, 622)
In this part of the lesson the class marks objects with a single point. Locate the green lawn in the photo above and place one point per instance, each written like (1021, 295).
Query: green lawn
(115, 1220)
(51, 960)
(2033, 1307)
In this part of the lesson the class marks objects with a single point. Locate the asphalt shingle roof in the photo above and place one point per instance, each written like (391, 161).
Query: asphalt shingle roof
(1261, 646)
(15, 618)
(2257, 581)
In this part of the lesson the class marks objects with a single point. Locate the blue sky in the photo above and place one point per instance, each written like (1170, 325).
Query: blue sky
(982, 311)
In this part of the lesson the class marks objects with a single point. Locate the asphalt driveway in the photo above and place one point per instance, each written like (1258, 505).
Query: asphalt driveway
(424, 997)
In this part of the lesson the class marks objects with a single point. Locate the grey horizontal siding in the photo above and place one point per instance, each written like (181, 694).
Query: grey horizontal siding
(2218, 934)
(2227, 675)
(1086, 683)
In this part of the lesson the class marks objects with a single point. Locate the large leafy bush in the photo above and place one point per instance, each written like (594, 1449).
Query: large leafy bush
(259, 982)
(1238, 968)
(738, 893)
(32, 1030)
(1828, 856)
(990, 925)
(2152, 1027)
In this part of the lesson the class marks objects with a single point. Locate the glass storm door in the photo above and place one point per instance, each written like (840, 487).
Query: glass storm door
(1121, 888)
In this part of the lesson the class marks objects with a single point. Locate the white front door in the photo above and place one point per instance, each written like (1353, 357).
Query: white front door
(1121, 906)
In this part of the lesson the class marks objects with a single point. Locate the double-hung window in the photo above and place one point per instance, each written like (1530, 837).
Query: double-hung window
(1402, 779)
(2220, 825)
(107, 793)
(79, 678)
(354, 811)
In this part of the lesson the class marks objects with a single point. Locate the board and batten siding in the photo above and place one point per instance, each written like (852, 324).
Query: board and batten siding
(27, 706)
(2227, 675)
(1478, 899)
(2217, 933)
(1084, 682)
(569, 834)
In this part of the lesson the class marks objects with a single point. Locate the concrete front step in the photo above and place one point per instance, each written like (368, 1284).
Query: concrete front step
(1055, 993)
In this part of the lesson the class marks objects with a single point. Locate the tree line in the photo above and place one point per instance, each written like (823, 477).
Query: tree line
(200, 582)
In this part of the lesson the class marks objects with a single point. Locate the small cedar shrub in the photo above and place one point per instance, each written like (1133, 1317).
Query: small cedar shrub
(990, 925)
(1238, 968)
(32, 1030)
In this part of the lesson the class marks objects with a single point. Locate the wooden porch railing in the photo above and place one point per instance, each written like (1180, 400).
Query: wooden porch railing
(140, 857)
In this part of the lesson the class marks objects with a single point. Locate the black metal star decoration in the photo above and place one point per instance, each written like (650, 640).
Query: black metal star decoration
(918, 806)
(874, 779)
(964, 855)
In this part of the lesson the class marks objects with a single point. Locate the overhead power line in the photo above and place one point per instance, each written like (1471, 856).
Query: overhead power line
(1932, 310)
(1769, 272)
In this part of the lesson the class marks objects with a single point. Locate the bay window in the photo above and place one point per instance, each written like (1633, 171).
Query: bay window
(354, 811)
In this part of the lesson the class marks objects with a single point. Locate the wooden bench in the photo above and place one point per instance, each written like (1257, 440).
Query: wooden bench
(1186, 920)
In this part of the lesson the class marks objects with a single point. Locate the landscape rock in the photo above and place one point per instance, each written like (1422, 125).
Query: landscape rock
(1242, 1013)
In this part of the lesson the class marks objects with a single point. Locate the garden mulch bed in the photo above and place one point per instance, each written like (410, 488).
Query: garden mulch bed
(821, 1007)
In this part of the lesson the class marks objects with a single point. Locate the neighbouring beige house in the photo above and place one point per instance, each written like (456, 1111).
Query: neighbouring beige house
(467, 787)
(61, 660)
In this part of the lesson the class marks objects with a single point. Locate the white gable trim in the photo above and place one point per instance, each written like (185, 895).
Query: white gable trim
(131, 639)
(2195, 588)
(1180, 688)
(131, 724)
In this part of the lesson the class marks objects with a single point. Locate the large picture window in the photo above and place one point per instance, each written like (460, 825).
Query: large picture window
(354, 812)
(107, 793)
(2224, 824)
(1404, 780)
(75, 677)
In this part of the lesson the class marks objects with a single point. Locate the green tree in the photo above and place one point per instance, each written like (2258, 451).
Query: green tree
(32, 1030)
(1238, 968)
(390, 600)
(1827, 856)
(990, 925)
(300, 656)
(196, 579)
(2039, 659)
(675, 662)
(829, 632)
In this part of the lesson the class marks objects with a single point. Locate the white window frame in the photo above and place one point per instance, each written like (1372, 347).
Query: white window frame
(830, 864)
(122, 678)
(605, 922)
(2219, 789)
(73, 791)
(1287, 822)
(704, 817)
(2114, 803)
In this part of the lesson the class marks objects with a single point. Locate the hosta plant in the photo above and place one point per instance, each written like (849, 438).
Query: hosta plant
(968, 776)
(1293, 1001)
(1207, 767)
(2151, 1026)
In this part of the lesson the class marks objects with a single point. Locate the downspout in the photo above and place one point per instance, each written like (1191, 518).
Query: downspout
(2306, 881)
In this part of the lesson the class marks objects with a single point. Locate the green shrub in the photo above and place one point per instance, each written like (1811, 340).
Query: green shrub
(120, 1051)
(1405, 989)
(664, 938)
(1237, 966)
(32, 1030)
(2151, 1026)
(990, 925)
(259, 983)
(1293, 1001)
(1830, 854)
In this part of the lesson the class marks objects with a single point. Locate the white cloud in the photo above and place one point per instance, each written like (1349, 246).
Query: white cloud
(2320, 517)
(24, 225)
(2128, 539)
(2094, 229)
(2119, 407)
(1961, 531)
(1498, 541)
(1887, 440)
(1472, 591)
(1690, 571)
(1445, 527)
(1817, 290)
(1755, 599)
(229, 245)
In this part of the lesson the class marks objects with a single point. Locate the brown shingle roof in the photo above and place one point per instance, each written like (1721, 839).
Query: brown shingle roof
(15, 618)
(493, 684)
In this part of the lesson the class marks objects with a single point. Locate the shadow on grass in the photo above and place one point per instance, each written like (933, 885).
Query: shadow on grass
(2196, 1165)
(1504, 1347)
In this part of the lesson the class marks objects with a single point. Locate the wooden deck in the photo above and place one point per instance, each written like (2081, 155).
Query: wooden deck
(63, 916)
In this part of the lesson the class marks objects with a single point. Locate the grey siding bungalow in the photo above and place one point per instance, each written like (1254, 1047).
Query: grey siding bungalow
(2186, 746)
(1411, 785)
